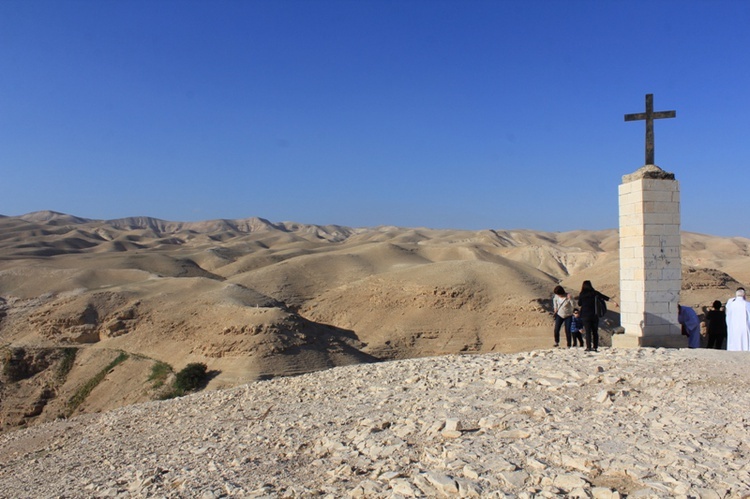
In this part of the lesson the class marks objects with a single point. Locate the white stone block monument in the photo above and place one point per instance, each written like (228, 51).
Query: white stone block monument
(650, 260)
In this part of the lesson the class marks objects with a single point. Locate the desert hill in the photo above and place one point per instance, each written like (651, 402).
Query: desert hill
(254, 299)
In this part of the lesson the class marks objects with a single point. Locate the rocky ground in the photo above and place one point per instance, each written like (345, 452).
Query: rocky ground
(635, 423)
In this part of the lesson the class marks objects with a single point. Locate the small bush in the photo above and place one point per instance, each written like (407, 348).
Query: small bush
(191, 378)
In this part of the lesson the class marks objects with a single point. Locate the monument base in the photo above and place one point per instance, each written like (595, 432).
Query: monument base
(663, 341)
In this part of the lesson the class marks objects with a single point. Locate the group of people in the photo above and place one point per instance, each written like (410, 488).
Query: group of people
(577, 320)
(731, 324)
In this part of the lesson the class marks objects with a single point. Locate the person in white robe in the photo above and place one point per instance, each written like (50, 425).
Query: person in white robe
(738, 323)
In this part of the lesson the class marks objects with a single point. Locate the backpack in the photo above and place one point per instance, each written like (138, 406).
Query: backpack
(600, 306)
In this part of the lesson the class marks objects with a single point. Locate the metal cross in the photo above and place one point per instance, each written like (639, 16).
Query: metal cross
(650, 116)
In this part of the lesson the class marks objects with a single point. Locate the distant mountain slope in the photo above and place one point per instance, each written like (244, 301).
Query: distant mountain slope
(252, 298)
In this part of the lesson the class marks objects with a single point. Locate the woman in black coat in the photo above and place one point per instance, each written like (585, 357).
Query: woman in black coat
(587, 304)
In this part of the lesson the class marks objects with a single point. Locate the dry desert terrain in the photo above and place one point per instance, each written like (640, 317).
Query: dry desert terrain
(254, 300)
(636, 423)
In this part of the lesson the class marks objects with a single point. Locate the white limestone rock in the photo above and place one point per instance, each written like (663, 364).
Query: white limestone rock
(365, 431)
(569, 482)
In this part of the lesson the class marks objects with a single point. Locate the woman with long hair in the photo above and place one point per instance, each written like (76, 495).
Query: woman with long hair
(587, 304)
(562, 303)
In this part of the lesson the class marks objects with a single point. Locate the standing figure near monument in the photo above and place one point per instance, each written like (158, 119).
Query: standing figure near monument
(738, 322)
(562, 304)
(716, 326)
(587, 303)
(691, 325)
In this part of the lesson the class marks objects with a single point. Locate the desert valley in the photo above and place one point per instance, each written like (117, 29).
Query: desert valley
(252, 299)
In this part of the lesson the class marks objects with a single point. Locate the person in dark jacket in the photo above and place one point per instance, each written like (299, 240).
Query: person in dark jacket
(716, 326)
(587, 304)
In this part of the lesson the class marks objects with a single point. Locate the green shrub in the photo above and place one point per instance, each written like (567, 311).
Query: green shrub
(191, 378)
(66, 364)
(159, 373)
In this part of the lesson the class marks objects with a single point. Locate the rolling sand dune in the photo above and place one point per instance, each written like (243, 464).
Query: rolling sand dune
(254, 299)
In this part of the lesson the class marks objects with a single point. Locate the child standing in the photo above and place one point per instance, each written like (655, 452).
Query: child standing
(576, 328)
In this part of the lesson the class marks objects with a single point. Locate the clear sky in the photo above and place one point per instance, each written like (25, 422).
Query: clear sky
(463, 114)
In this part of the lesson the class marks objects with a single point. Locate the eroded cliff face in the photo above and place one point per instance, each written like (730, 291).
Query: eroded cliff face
(28, 381)
(40, 384)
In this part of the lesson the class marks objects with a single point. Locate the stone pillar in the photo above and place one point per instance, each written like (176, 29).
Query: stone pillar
(650, 260)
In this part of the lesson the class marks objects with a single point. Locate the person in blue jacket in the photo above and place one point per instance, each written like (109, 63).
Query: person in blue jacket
(691, 325)
(576, 328)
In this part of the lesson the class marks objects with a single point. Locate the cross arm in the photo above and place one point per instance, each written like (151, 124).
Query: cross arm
(655, 116)
(635, 117)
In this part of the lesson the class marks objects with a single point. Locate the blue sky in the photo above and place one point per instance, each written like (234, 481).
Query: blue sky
(444, 114)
